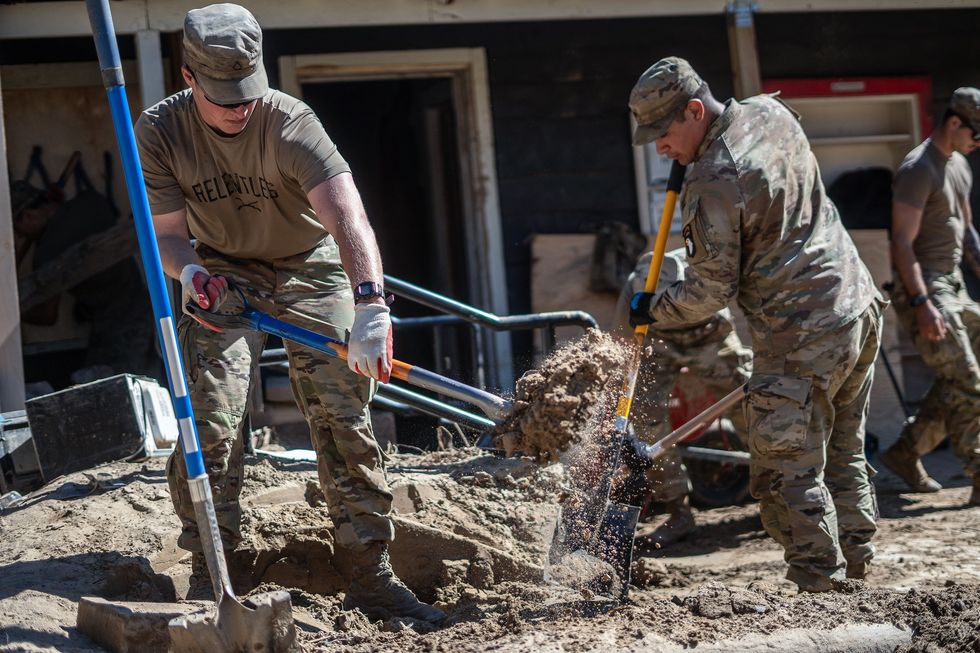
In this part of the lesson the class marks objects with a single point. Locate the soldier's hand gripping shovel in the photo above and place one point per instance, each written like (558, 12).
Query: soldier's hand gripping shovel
(589, 524)
(245, 316)
(269, 626)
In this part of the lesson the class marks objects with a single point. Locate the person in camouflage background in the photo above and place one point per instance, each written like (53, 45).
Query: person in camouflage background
(251, 173)
(932, 232)
(713, 352)
(759, 227)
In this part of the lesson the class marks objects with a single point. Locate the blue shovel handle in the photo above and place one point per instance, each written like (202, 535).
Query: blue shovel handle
(112, 77)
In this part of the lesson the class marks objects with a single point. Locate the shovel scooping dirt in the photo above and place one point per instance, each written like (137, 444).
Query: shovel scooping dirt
(567, 400)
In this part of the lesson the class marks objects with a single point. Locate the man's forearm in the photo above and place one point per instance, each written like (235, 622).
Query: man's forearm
(358, 249)
(909, 270)
(175, 253)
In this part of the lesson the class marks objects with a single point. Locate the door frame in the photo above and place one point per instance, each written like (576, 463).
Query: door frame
(467, 70)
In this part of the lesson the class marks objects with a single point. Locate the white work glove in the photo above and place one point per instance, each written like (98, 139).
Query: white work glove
(200, 287)
(369, 348)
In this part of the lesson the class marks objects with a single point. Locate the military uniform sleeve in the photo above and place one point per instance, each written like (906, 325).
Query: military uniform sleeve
(712, 241)
(162, 188)
(912, 185)
(306, 153)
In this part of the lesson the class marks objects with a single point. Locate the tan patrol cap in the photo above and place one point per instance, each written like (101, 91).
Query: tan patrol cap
(966, 104)
(223, 48)
(658, 95)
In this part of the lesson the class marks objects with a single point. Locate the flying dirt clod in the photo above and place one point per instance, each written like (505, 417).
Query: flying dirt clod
(558, 404)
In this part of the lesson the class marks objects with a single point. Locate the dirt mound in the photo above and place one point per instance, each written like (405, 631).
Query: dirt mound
(566, 399)
(472, 533)
(948, 620)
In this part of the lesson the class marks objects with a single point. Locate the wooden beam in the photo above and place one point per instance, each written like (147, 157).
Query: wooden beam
(68, 17)
(90, 256)
(11, 356)
(149, 58)
(742, 50)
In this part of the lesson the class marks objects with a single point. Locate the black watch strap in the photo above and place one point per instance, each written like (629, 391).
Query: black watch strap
(918, 300)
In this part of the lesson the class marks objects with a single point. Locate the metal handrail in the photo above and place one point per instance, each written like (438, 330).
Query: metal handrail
(496, 322)
(397, 396)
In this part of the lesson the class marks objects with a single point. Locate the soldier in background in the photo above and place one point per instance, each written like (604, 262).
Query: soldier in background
(758, 227)
(713, 352)
(932, 231)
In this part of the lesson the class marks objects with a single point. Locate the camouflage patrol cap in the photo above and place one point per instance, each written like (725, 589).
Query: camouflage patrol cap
(223, 48)
(966, 104)
(658, 95)
(23, 196)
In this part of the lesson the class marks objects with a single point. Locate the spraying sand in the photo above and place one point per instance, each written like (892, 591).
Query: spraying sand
(567, 400)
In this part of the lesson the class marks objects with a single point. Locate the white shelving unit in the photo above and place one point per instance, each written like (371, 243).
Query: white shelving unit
(859, 131)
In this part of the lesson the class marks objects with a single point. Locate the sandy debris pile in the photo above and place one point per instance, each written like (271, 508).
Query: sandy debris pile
(568, 398)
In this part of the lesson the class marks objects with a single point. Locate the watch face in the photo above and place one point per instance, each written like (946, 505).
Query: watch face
(368, 289)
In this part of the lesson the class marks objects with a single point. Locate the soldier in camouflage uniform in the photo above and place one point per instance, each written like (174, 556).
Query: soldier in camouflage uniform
(713, 352)
(251, 173)
(759, 227)
(932, 231)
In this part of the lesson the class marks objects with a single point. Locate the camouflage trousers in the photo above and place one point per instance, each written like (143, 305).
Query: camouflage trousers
(952, 404)
(309, 290)
(719, 360)
(806, 414)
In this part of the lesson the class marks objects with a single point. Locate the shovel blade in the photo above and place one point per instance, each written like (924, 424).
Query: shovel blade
(266, 625)
(594, 559)
(614, 545)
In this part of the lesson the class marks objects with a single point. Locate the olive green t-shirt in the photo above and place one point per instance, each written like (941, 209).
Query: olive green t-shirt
(245, 195)
(940, 187)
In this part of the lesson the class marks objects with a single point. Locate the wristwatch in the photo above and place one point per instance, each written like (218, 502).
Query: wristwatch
(368, 290)
(918, 300)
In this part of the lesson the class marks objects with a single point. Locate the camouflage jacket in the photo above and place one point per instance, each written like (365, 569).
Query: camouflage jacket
(713, 329)
(758, 227)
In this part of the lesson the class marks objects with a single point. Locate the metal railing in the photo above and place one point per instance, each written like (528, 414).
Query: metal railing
(454, 314)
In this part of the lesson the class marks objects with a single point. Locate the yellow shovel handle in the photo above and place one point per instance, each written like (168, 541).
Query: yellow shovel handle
(674, 183)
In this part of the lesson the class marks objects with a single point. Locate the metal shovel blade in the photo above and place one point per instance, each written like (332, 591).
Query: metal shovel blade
(264, 623)
(598, 561)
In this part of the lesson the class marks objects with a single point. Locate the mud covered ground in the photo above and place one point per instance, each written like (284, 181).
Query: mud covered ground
(472, 535)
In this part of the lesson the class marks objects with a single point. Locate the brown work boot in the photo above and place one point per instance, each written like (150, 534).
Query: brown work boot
(975, 494)
(811, 582)
(907, 465)
(679, 524)
(859, 570)
(379, 594)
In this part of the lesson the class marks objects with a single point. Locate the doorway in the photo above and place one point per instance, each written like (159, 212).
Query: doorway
(398, 135)
(415, 127)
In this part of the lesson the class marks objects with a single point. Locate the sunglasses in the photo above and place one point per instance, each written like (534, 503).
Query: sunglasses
(231, 106)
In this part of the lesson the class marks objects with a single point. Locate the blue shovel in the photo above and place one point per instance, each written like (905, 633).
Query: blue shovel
(235, 627)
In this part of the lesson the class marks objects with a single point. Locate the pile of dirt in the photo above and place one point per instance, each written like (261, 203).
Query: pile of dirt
(473, 531)
(947, 620)
(567, 398)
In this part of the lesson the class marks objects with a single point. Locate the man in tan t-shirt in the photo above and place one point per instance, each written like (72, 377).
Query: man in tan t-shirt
(252, 175)
(932, 231)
